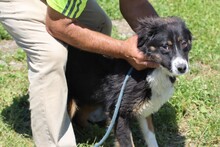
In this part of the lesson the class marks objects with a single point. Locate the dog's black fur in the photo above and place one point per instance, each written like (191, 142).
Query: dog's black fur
(96, 80)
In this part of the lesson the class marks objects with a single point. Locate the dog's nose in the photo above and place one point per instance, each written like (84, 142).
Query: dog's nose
(181, 68)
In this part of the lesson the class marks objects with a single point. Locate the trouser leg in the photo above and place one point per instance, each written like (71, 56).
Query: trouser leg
(50, 123)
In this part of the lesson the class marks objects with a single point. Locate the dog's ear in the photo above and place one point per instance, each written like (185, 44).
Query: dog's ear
(146, 30)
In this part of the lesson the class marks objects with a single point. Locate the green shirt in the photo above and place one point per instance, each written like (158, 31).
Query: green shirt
(69, 8)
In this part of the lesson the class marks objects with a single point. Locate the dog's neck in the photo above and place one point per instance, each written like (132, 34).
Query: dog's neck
(172, 79)
(161, 85)
(160, 76)
(163, 72)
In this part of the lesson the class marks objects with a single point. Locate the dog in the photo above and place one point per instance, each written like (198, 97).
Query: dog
(95, 80)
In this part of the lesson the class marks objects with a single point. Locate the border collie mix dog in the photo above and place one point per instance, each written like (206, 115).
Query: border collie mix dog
(95, 80)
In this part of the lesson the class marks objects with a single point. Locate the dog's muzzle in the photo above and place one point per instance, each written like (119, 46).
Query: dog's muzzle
(179, 66)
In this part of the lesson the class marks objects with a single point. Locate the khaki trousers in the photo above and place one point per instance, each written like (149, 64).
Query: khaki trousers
(46, 57)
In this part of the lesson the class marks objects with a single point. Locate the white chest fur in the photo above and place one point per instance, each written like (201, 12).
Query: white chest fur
(161, 90)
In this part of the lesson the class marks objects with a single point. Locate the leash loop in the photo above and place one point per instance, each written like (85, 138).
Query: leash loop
(117, 106)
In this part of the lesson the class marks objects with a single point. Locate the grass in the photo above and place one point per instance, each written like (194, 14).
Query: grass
(4, 34)
(190, 118)
(14, 120)
(197, 96)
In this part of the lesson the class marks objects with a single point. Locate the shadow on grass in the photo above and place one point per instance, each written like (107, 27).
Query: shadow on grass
(91, 135)
(166, 127)
(17, 115)
(165, 124)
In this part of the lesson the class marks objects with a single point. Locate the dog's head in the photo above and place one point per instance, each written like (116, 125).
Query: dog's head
(166, 41)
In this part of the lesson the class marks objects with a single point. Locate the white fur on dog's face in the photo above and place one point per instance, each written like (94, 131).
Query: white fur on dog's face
(179, 66)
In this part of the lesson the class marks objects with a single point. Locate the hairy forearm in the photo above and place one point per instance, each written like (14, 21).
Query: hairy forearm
(92, 41)
(77, 35)
(132, 10)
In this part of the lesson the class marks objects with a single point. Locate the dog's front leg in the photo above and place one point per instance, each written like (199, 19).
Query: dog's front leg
(123, 133)
(147, 129)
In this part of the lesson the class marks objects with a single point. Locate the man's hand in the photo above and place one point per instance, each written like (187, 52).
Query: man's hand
(135, 57)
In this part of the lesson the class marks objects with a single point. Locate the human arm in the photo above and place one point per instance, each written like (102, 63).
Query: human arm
(132, 10)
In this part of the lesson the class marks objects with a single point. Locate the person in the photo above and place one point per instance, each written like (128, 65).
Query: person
(44, 29)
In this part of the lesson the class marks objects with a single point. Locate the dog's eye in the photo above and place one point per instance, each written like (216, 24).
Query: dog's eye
(184, 44)
(165, 46)
(165, 49)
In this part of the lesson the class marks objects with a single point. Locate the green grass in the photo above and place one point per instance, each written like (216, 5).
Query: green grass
(4, 34)
(197, 97)
(190, 118)
(14, 120)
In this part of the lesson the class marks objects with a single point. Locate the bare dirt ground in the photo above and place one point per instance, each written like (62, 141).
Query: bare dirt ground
(123, 28)
(8, 46)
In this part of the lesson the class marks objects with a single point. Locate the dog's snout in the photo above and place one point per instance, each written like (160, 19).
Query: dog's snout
(181, 68)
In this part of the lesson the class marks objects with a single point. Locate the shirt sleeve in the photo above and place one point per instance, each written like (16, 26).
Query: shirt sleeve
(69, 8)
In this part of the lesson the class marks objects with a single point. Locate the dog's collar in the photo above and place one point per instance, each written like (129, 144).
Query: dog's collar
(172, 79)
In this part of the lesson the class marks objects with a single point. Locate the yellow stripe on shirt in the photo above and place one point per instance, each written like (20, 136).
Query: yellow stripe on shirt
(78, 8)
(69, 8)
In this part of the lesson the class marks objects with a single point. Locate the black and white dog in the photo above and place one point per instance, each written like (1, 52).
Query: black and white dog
(95, 80)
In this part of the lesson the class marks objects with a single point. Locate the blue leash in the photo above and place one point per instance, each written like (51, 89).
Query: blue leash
(117, 106)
